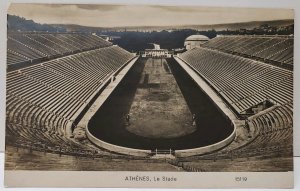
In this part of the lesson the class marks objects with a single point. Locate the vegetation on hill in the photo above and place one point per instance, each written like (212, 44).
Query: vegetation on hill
(16, 23)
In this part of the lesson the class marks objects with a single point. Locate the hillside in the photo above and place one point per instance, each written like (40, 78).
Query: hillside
(16, 23)
(217, 27)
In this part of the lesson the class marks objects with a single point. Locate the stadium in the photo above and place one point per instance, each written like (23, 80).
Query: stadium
(75, 101)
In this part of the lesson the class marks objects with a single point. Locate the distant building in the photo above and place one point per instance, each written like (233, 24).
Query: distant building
(195, 41)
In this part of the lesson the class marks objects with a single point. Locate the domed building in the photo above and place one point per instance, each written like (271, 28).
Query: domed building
(195, 41)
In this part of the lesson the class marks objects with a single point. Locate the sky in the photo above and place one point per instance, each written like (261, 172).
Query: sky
(142, 15)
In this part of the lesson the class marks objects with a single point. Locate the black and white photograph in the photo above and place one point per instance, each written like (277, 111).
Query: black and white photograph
(149, 88)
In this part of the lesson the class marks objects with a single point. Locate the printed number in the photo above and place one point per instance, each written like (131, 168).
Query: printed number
(241, 179)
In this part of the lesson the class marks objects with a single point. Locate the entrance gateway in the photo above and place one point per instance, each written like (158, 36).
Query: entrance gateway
(156, 52)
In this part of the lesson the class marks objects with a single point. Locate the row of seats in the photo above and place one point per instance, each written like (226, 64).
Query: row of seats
(275, 119)
(269, 162)
(273, 48)
(243, 82)
(275, 141)
(30, 138)
(24, 47)
(275, 133)
(44, 98)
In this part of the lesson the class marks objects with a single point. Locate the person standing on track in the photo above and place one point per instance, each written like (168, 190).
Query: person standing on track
(194, 119)
(128, 119)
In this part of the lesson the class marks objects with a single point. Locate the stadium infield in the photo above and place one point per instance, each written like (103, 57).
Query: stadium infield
(159, 109)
